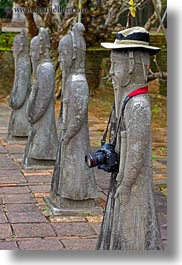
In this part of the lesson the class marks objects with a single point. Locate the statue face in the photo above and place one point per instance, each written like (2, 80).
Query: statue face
(35, 56)
(119, 69)
(65, 57)
(34, 52)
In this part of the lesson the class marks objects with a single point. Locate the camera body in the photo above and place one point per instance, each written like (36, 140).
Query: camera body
(105, 158)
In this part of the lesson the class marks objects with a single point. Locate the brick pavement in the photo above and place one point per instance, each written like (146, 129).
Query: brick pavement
(26, 222)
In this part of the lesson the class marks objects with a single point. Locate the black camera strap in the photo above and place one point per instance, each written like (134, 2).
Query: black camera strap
(103, 141)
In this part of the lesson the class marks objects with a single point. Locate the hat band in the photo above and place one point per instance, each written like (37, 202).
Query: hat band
(131, 42)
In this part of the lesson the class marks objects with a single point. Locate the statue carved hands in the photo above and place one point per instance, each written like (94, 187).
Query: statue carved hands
(123, 192)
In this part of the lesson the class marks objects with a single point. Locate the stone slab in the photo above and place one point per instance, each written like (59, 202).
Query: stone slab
(31, 230)
(11, 176)
(39, 179)
(24, 207)
(15, 149)
(80, 229)
(2, 150)
(5, 231)
(4, 245)
(40, 188)
(18, 198)
(80, 244)
(40, 244)
(96, 227)
(14, 190)
(24, 213)
(77, 211)
(26, 217)
(3, 218)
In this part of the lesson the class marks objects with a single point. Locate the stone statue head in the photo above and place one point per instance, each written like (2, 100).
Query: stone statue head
(78, 28)
(35, 53)
(20, 43)
(44, 42)
(129, 66)
(130, 56)
(39, 48)
(65, 50)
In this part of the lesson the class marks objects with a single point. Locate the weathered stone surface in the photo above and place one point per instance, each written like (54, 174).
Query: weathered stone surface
(5, 231)
(40, 244)
(18, 124)
(6, 162)
(23, 207)
(4, 245)
(39, 179)
(42, 142)
(3, 218)
(11, 176)
(18, 198)
(79, 244)
(72, 180)
(73, 229)
(26, 217)
(14, 190)
(31, 230)
(130, 220)
(2, 149)
(96, 227)
(40, 188)
(15, 149)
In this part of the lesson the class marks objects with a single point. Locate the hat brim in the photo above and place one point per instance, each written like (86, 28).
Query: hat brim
(109, 45)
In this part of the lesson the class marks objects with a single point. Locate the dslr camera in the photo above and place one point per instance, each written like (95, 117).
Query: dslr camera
(105, 158)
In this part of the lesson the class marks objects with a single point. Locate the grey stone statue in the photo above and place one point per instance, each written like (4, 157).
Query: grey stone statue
(73, 187)
(130, 220)
(18, 124)
(42, 142)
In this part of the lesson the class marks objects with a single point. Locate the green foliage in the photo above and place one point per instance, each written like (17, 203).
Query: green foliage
(6, 41)
(154, 158)
(155, 109)
(62, 4)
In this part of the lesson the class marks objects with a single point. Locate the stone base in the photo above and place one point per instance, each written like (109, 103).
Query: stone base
(83, 208)
(17, 139)
(38, 164)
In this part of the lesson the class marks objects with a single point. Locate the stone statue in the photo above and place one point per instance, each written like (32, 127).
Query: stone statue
(42, 142)
(18, 124)
(73, 187)
(130, 220)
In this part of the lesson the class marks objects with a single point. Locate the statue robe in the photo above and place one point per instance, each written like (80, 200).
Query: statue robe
(19, 125)
(43, 140)
(75, 180)
(134, 225)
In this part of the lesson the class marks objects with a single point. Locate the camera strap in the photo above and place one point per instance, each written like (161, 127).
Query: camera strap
(138, 91)
(107, 127)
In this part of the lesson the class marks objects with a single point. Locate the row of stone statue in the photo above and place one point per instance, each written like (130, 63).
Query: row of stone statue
(130, 219)
(33, 115)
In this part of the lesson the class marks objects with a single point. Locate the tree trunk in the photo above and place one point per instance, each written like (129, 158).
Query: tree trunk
(32, 28)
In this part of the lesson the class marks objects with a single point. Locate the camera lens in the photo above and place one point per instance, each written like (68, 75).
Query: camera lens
(95, 159)
(89, 160)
